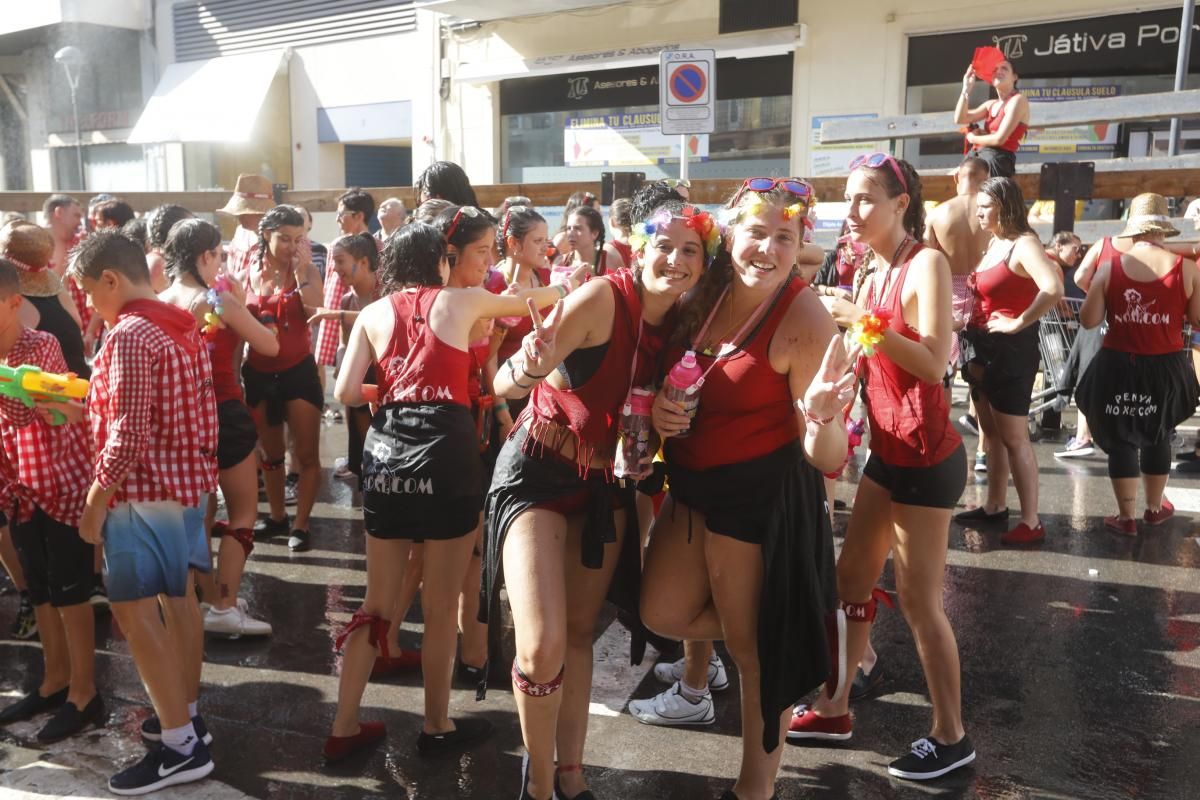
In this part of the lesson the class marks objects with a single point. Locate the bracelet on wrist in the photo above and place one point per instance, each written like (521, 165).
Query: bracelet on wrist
(500, 407)
(811, 418)
(529, 374)
(564, 289)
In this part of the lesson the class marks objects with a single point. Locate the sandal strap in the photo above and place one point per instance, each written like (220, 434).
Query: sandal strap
(570, 768)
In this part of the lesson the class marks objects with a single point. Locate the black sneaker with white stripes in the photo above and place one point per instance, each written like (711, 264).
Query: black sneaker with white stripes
(162, 767)
(931, 759)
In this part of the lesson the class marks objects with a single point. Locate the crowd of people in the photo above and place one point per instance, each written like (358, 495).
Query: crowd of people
(647, 410)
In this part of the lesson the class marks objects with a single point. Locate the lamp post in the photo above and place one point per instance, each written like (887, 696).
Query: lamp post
(71, 59)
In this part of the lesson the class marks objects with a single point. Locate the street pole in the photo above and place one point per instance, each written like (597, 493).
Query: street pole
(72, 58)
(1181, 70)
(78, 137)
(683, 157)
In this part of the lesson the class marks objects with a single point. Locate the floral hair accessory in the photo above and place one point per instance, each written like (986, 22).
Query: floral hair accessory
(693, 218)
(212, 319)
(754, 204)
(868, 331)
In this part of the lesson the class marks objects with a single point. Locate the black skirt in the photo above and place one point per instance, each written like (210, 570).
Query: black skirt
(421, 473)
(1137, 400)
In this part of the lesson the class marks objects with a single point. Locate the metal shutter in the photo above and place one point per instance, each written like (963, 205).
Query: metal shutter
(375, 165)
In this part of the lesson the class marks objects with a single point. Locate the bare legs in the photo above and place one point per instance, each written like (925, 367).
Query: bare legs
(304, 423)
(1008, 448)
(166, 651)
(239, 486)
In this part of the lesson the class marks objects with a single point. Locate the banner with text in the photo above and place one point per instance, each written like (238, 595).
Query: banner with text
(624, 140)
(1098, 138)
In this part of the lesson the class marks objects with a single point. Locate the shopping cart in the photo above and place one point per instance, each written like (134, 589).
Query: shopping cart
(1056, 335)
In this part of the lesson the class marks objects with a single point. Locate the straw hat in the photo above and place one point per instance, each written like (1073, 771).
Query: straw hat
(30, 247)
(1148, 213)
(253, 194)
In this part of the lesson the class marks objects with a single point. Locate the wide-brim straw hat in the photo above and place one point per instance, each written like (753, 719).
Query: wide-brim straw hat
(253, 194)
(1148, 213)
(30, 247)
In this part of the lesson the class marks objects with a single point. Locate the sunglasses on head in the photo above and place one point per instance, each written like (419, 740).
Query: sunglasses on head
(675, 183)
(470, 211)
(792, 186)
(877, 160)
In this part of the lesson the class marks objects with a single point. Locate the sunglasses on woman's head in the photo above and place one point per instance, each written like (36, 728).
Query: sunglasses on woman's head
(470, 211)
(763, 185)
(675, 183)
(877, 160)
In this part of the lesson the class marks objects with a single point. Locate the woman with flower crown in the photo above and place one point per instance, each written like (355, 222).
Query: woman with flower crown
(742, 549)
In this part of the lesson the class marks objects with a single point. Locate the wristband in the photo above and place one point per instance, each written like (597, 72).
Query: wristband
(810, 417)
(563, 290)
(528, 374)
(500, 407)
(512, 374)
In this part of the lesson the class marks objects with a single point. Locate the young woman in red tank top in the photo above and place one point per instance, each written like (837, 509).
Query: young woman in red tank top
(285, 387)
(557, 520)
(193, 262)
(743, 546)
(422, 477)
(1005, 118)
(915, 473)
(1141, 383)
(1015, 284)
(584, 232)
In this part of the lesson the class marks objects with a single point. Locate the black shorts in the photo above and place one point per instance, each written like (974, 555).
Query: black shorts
(277, 389)
(1009, 363)
(938, 486)
(236, 437)
(1001, 163)
(422, 476)
(58, 564)
(736, 500)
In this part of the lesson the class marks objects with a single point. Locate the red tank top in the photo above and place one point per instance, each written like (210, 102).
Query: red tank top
(909, 418)
(745, 406)
(999, 289)
(284, 311)
(1144, 317)
(590, 412)
(513, 335)
(626, 252)
(418, 367)
(995, 121)
(223, 345)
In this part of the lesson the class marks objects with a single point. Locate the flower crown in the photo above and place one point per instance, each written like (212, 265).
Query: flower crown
(701, 222)
(753, 203)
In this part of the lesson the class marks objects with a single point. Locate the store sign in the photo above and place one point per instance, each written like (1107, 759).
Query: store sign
(1125, 44)
(1098, 138)
(624, 140)
(834, 159)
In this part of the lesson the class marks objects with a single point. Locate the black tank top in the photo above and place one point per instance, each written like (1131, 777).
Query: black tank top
(55, 320)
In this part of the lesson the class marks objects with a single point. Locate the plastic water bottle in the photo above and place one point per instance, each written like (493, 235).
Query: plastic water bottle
(681, 386)
(634, 430)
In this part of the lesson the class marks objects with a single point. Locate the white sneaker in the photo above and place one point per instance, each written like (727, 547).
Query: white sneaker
(672, 708)
(235, 622)
(341, 468)
(718, 680)
(1076, 449)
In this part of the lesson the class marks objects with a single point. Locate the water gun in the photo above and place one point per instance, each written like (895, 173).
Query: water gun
(30, 385)
(854, 437)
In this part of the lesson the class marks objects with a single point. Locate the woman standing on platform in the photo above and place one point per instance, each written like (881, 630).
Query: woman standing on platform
(742, 549)
(917, 468)
(1005, 120)
(554, 512)
(1141, 384)
(1014, 285)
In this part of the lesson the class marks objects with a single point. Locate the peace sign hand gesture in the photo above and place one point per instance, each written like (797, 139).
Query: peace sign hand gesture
(833, 385)
(538, 344)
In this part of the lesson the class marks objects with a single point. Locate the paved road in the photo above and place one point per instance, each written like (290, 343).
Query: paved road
(1081, 680)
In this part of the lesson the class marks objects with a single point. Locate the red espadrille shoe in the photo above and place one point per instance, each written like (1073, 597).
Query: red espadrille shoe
(1023, 534)
(806, 724)
(1118, 524)
(1162, 515)
(339, 747)
(403, 661)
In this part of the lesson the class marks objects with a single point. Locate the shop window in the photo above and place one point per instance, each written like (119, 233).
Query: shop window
(372, 165)
(107, 167)
(738, 15)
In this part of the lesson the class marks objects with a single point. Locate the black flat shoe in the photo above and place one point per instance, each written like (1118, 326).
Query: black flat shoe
(467, 731)
(469, 676)
(559, 794)
(298, 543)
(31, 705)
(70, 720)
(525, 795)
(865, 684)
(266, 528)
(980, 514)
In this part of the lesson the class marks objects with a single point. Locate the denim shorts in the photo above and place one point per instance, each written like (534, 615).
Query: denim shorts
(149, 548)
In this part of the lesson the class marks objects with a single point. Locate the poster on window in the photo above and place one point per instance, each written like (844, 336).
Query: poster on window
(834, 159)
(1097, 138)
(625, 140)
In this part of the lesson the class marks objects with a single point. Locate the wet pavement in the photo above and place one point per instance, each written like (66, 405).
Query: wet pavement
(1081, 679)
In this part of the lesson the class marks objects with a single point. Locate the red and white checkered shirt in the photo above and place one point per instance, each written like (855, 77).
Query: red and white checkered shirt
(153, 415)
(81, 302)
(47, 466)
(240, 253)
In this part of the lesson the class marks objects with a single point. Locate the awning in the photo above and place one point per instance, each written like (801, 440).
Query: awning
(217, 100)
(489, 10)
(755, 44)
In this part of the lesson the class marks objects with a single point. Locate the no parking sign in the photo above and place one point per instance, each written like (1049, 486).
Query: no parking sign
(687, 91)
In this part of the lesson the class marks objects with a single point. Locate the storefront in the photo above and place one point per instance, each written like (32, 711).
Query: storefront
(1092, 57)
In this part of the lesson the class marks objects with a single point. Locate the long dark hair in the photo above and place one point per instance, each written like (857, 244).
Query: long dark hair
(273, 220)
(446, 180)
(517, 222)
(470, 227)
(1006, 193)
(360, 245)
(189, 239)
(161, 220)
(412, 257)
(596, 223)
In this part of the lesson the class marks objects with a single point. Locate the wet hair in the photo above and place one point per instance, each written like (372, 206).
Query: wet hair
(430, 210)
(620, 214)
(109, 250)
(885, 177)
(1006, 193)
(136, 229)
(976, 166)
(1064, 238)
(10, 279)
(512, 202)
(649, 198)
(360, 245)
(189, 239)
(96, 200)
(117, 212)
(412, 257)
(358, 201)
(468, 230)
(576, 201)
(1016, 75)
(517, 222)
(273, 220)
(160, 221)
(445, 180)
(596, 223)
(55, 202)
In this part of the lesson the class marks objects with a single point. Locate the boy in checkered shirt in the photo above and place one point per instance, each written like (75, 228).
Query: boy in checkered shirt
(44, 474)
(154, 425)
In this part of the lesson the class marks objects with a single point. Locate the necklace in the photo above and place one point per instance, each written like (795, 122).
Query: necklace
(887, 274)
